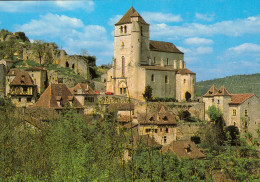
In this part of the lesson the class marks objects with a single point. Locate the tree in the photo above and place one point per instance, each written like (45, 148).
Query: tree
(214, 114)
(39, 47)
(148, 93)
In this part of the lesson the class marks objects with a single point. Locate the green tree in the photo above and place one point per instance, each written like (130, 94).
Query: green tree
(148, 93)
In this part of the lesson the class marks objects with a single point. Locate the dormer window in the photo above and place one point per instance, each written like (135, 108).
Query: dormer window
(188, 149)
(165, 118)
(151, 119)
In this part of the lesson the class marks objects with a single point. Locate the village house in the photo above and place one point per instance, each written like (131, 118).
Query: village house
(139, 62)
(39, 77)
(241, 110)
(20, 88)
(84, 94)
(58, 97)
(159, 125)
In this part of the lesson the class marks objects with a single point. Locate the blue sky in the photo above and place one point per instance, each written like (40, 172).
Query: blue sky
(219, 37)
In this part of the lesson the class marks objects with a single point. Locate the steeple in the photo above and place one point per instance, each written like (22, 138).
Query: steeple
(128, 15)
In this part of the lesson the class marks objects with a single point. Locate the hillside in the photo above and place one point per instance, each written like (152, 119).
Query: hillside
(234, 84)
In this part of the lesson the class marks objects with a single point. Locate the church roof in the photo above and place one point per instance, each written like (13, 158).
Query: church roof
(240, 98)
(184, 71)
(162, 68)
(164, 47)
(127, 17)
(211, 92)
(55, 93)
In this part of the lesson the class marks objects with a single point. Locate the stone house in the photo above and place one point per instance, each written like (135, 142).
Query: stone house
(39, 77)
(58, 97)
(241, 110)
(20, 88)
(162, 126)
(84, 94)
(139, 62)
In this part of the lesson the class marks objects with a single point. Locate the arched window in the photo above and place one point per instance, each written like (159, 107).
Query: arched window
(67, 64)
(166, 79)
(167, 62)
(125, 29)
(184, 81)
(123, 66)
(152, 78)
(121, 29)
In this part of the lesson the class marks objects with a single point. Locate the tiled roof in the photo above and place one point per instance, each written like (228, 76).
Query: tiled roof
(184, 148)
(127, 17)
(162, 117)
(22, 78)
(13, 72)
(55, 93)
(184, 71)
(211, 92)
(164, 47)
(240, 98)
(222, 92)
(82, 89)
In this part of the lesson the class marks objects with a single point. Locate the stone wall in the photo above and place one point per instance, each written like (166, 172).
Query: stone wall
(187, 130)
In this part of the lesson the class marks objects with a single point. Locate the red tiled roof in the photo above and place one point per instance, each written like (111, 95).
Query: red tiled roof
(184, 148)
(13, 72)
(240, 98)
(211, 92)
(127, 17)
(163, 47)
(184, 71)
(84, 88)
(124, 118)
(22, 78)
(55, 93)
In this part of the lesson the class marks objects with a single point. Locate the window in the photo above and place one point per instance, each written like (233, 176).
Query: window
(125, 29)
(121, 91)
(19, 99)
(123, 66)
(167, 61)
(121, 29)
(147, 130)
(184, 81)
(166, 79)
(29, 99)
(154, 60)
(152, 78)
(25, 89)
(141, 30)
(165, 139)
(151, 119)
(165, 118)
(156, 130)
(167, 130)
(124, 89)
(212, 100)
(234, 112)
(246, 114)
(218, 101)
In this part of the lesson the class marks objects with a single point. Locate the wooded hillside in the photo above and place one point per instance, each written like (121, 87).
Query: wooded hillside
(234, 84)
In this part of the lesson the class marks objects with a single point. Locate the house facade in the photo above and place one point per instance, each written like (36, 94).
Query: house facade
(241, 110)
(139, 62)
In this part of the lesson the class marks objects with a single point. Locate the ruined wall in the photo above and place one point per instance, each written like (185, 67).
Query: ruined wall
(186, 130)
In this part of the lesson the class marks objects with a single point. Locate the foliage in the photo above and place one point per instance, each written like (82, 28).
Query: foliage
(166, 99)
(234, 84)
(148, 92)
(215, 114)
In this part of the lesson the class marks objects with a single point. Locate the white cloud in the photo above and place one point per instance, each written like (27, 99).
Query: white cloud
(206, 17)
(160, 17)
(197, 41)
(88, 6)
(114, 19)
(245, 48)
(184, 50)
(204, 50)
(239, 27)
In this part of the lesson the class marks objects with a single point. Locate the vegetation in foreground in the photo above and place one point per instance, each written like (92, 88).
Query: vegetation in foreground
(74, 148)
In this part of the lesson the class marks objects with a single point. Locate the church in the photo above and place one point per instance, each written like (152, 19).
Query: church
(139, 62)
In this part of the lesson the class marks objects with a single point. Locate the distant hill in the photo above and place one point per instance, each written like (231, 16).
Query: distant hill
(234, 84)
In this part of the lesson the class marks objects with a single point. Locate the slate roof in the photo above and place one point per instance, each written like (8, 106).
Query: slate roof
(184, 148)
(22, 78)
(127, 17)
(164, 47)
(85, 89)
(55, 93)
(240, 98)
(163, 117)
